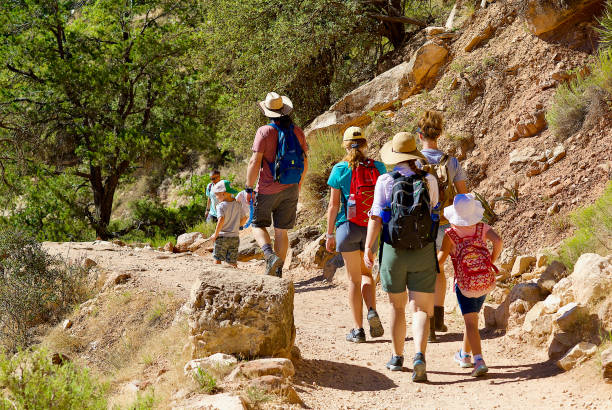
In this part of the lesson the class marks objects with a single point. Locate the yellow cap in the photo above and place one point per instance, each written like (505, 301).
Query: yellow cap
(353, 133)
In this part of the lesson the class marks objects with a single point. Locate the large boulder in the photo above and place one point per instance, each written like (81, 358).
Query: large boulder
(546, 17)
(537, 325)
(578, 354)
(242, 314)
(526, 295)
(380, 94)
(223, 401)
(184, 241)
(522, 263)
(572, 324)
(563, 289)
(249, 249)
(263, 367)
(315, 255)
(592, 285)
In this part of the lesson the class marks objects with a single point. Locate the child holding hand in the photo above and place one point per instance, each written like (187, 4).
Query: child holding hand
(231, 216)
(465, 241)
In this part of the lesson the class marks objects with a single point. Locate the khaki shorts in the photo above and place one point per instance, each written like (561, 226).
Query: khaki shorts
(280, 208)
(414, 269)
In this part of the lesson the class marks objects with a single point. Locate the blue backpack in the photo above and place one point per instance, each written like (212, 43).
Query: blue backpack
(288, 165)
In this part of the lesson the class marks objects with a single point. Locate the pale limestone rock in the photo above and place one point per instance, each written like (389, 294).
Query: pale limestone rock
(198, 243)
(117, 278)
(223, 401)
(534, 313)
(488, 311)
(169, 247)
(552, 304)
(537, 326)
(568, 315)
(541, 260)
(184, 241)
(521, 156)
(592, 285)
(315, 255)
(249, 249)
(563, 289)
(521, 265)
(553, 209)
(578, 354)
(263, 367)
(242, 314)
(553, 274)
(527, 295)
(88, 263)
(278, 386)
(217, 360)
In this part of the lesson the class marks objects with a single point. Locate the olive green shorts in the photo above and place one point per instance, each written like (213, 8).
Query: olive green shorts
(414, 269)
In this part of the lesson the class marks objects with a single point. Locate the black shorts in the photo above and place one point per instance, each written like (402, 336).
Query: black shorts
(280, 208)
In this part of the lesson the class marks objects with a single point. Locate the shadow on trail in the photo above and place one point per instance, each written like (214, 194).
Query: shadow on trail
(485, 334)
(341, 376)
(514, 374)
(310, 285)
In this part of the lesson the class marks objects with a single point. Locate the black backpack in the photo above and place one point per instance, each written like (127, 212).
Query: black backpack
(411, 225)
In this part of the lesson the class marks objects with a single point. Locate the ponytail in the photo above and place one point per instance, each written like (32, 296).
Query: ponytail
(355, 154)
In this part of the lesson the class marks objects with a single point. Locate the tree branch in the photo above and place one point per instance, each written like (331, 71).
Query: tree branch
(405, 20)
(29, 74)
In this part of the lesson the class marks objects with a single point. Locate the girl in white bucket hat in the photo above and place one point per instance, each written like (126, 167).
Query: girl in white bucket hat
(466, 242)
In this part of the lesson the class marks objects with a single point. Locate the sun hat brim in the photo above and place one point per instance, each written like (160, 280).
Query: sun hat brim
(391, 157)
(450, 213)
(286, 110)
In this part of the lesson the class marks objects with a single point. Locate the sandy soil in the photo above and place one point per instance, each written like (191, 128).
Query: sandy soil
(334, 374)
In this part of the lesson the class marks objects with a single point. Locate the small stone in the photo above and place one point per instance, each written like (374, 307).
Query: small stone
(553, 209)
(67, 324)
(168, 247)
(521, 265)
(606, 364)
(89, 263)
(554, 182)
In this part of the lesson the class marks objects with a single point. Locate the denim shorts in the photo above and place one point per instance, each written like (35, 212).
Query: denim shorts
(351, 237)
(226, 249)
(469, 305)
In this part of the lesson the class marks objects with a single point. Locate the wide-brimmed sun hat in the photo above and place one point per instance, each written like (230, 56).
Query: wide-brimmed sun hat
(466, 210)
(224, 186)
(275, 106)
(353, 133)
(401, 148)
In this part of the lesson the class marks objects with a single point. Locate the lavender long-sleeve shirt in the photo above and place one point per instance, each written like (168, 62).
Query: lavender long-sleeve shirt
(384, 187)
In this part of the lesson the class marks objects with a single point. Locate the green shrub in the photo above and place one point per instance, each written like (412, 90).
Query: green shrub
(156, 220)
(326, 150)
(35, 287)
(205, 380)
(605, 29)
(206, 228)
(593, 230)
(30, 381)
(144, 401)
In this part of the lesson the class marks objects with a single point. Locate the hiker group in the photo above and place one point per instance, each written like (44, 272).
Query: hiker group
(410, 219)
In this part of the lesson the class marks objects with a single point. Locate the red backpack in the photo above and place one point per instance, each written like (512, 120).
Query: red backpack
(363, 181)
(474, 272)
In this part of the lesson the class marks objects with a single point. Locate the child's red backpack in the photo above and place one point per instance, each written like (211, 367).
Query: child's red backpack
(363, 182)
(474, 272)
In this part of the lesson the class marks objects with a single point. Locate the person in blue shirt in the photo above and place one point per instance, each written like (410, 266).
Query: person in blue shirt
(350, 237)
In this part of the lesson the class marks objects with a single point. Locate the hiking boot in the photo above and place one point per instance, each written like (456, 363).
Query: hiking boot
(279, 272)
(376, 328)
(480, 368)
(419, 373)
(432, 330)
(396, 363)
(356, 336)
(439, 319)
(464, 361)
(273, 263)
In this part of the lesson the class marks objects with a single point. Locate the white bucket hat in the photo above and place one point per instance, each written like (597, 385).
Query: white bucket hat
(466, 210)
(275, 106)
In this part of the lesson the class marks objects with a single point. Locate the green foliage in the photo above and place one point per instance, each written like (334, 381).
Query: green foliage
(205, 228)
(205, 380)
(95, 89)
(144, 401)
(489, 216)
(30, 381)
(157, 221)
(593, 230)
(34, 287)
(605, 29)
(256, 395)
(511, 196)
(326, 150)
(581, 96)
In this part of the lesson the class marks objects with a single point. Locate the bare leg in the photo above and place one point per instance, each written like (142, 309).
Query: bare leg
(398, 321)
(281, 243)
(368, 287)
(440, 293)
(261, 236)
(352, 261)
(467, 348)
(471, 331)
(421, 306)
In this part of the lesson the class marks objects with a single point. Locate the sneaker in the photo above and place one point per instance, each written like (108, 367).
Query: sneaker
(480, 368)
(273, 263)
(279, 272)
(396, 363)
(356, 336)
(464, 361)
(376, 328)
(419, 373)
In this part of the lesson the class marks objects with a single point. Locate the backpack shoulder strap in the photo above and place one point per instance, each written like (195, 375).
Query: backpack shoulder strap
(453, 235)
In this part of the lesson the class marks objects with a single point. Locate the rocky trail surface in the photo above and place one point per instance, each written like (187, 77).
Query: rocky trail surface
(333, 374)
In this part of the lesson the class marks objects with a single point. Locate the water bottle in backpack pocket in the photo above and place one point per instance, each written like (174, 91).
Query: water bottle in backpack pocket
(410, 225)
(288, 164)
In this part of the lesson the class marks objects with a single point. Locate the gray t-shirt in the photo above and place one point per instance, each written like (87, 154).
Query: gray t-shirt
(456, 173)
(232, 212)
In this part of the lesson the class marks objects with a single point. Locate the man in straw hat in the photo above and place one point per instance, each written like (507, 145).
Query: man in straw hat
(274, 202)
(408, 259)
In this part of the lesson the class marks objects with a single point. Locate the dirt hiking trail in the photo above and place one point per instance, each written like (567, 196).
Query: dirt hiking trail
(335, 374)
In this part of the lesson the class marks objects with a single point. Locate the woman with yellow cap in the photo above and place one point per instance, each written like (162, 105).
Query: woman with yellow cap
(408, 254)
(352, 183)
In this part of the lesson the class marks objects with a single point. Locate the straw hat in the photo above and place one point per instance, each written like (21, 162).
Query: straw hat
(275, 106)
(401, 148)
(353, 133)
(464, 211)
